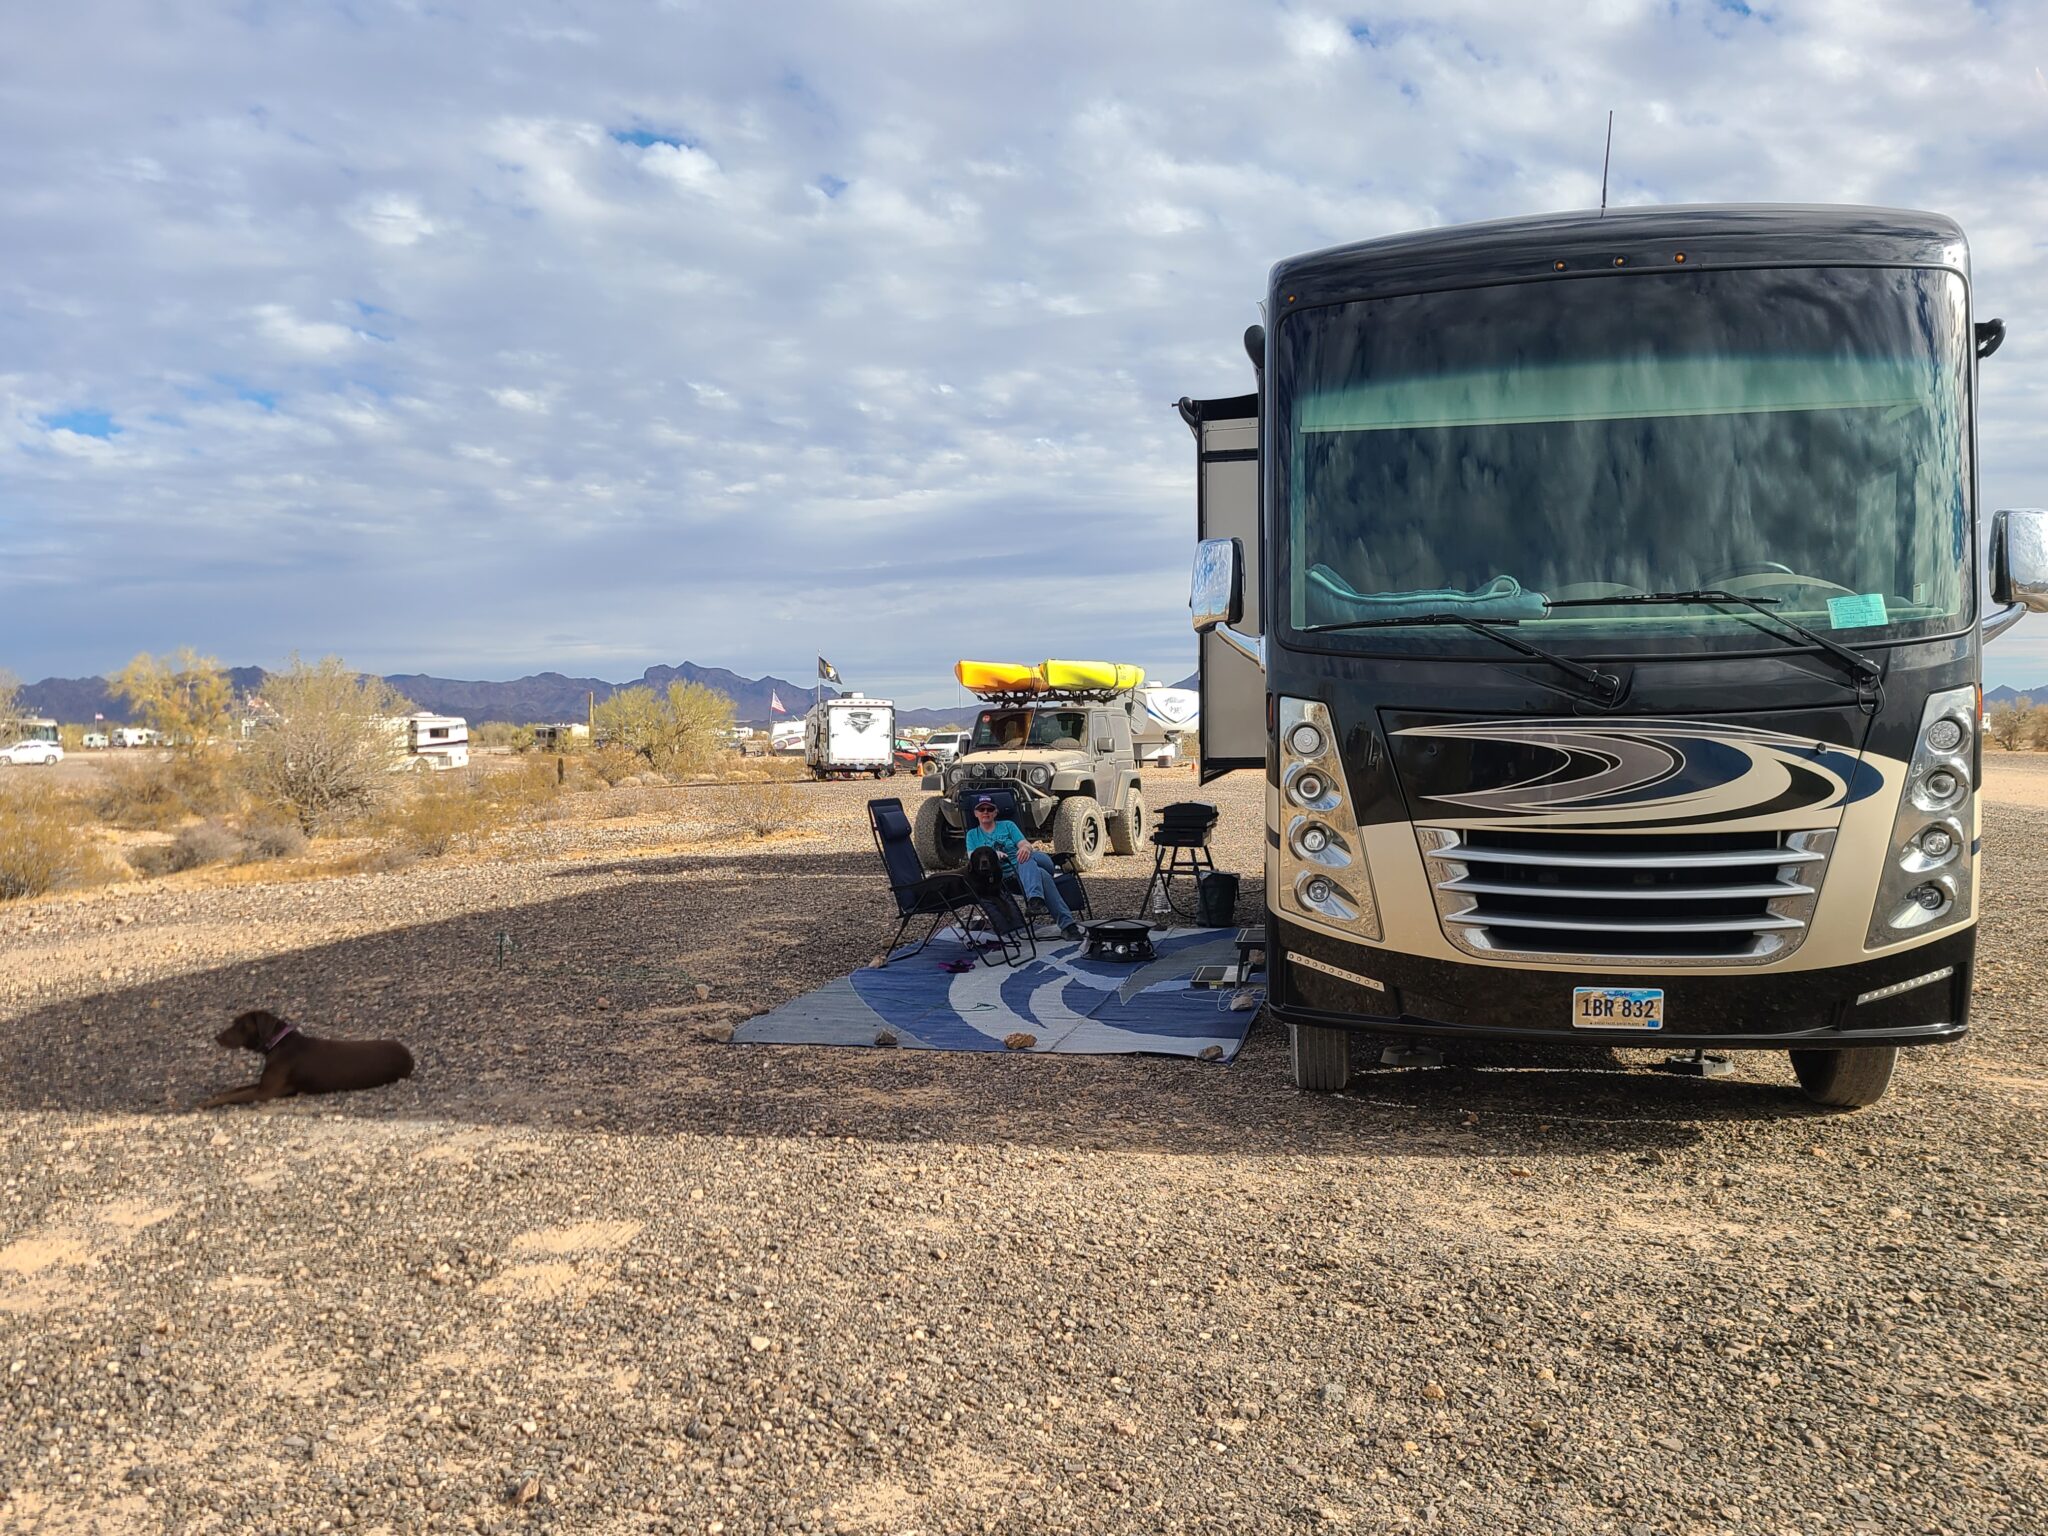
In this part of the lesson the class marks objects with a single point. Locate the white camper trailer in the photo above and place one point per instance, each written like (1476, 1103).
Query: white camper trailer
(850, 734)
(432, 742)
(1165, 715)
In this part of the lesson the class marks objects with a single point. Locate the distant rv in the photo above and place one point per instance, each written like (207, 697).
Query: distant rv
(1165, 715)
(134, 736)
(35, 729)
(432, 743)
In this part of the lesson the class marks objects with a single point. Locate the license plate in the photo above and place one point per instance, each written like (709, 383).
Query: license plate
(1617, 1007)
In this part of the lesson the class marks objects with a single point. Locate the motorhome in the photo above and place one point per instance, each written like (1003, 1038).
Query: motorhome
(850, 734)
(134, 736)
(1599, 598)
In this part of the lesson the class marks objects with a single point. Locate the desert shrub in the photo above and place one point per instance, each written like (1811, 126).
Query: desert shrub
(270, 836)
(43, 845)
(153, 794)
(444, 812)
(611, 764)
(325, 752)
(680, 732)
(204, 842)
(530, 784)
(2015, 724)
(760, 809)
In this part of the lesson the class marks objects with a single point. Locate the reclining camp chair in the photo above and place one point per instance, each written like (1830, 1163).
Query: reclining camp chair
(996, 928)
(1066, 873)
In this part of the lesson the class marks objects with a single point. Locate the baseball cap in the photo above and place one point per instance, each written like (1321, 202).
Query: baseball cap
(984, 800)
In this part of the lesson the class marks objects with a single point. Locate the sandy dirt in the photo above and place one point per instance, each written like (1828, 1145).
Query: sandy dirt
(591, 1270)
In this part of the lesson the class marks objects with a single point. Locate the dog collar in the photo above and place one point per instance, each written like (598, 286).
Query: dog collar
(271, 1044)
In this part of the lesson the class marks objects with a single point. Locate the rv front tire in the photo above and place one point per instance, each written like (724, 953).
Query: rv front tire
(1322, 1059)
(1848, 1079)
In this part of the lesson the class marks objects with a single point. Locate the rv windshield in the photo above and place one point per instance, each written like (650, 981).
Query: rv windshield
(1012, 729)
(1794, 435)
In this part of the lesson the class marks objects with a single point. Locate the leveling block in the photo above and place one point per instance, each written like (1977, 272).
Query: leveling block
(1067, 1002)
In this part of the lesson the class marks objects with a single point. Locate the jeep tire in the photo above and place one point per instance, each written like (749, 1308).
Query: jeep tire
(1127, 832)
(1078, 831)
(939, 847)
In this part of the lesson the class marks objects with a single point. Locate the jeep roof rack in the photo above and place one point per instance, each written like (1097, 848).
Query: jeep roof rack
(1042, 696)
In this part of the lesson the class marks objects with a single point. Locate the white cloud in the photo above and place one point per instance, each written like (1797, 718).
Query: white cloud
(392, 218)
(314, 338)
(742, 331)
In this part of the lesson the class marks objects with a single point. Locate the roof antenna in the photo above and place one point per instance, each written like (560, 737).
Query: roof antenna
(1604, 160)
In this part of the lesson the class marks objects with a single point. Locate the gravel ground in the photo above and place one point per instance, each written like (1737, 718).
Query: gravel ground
(589, 1270)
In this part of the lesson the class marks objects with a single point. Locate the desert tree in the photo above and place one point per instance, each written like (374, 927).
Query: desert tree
(325, 750)
(11, 711)
(2013, 723)
(186, 698)
(676, 732)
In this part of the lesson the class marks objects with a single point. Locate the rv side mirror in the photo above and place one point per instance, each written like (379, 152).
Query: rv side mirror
(2019, 558)
(1216, 591)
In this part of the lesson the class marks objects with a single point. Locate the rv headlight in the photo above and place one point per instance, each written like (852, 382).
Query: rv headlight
(1945, 735)
(1317, 863)
(1929, 878)
(1305, 740)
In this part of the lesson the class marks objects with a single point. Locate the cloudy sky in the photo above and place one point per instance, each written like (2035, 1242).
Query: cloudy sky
(482, 339)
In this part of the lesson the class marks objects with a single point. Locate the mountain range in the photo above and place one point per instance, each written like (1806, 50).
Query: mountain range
(543, 697)
(550, 696)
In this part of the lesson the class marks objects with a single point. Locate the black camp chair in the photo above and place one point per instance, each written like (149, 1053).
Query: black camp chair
(1066, 873)
(996, 928)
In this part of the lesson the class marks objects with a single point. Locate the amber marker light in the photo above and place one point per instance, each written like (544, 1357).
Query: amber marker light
(1558, 267)
(1679, 258)
(1620, 261)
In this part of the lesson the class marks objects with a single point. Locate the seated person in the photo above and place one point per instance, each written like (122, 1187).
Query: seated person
(1033, 867)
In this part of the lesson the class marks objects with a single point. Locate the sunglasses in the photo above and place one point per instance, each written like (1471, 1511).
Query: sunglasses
(984, 810)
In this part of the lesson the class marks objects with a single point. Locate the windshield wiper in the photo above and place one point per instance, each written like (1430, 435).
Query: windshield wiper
(1606, 686)
(1868, 675)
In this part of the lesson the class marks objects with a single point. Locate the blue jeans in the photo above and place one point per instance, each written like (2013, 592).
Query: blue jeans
(1035, 874)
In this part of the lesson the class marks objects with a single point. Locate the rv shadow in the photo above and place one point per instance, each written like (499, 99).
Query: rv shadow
(583, 1013)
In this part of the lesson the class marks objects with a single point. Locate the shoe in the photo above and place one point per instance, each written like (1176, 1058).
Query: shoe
(1074, 931)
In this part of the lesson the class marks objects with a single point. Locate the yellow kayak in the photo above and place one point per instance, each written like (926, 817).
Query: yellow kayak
(1117, 676)
(998, 677)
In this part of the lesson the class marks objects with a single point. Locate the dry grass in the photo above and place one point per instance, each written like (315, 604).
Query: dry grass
(44, 845)
(156, 794)
(761, 809)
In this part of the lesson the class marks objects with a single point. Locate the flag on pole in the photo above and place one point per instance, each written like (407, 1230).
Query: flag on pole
(826, 671)
(775, 704)
(99, 717)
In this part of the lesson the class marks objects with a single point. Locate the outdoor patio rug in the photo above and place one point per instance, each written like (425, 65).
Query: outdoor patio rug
(1068, 1002)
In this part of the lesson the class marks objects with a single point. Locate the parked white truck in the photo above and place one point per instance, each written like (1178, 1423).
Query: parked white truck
(850, 734)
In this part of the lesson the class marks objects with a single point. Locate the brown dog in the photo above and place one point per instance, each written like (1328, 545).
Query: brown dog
(299, 1063)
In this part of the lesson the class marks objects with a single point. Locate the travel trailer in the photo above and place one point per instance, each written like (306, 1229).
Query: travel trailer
(1662, 731)
(1165, 715)
(432, 743)
(850, 734)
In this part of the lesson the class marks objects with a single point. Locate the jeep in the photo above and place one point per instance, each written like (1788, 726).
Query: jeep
(1060, 766)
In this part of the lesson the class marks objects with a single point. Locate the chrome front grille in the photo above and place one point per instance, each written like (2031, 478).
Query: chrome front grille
(1644, 898)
